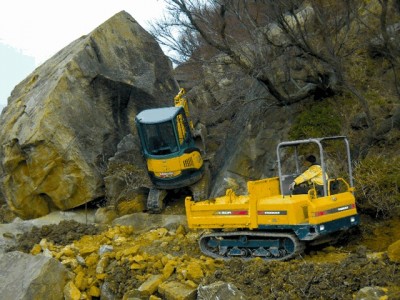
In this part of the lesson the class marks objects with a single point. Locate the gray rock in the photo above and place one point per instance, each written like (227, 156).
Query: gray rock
(370, 293)
(219, 290)
(145, 222)
(24, 276)
(106, 293)
(105, 215)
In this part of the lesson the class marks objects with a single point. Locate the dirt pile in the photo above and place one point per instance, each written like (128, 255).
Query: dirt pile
(64, 233)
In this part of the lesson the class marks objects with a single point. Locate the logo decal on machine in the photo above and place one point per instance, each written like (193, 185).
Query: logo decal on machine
(334, 210)
(272, 212)
(231, 212)
(166, 174)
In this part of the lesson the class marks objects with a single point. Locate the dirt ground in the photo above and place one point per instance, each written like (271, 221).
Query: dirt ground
(307, 279)
(329, 272)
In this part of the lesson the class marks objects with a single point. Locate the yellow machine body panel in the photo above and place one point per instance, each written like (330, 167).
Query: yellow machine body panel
(229, 211)
(172, 167)
(264, 205)
(332, 207)
(280, 210)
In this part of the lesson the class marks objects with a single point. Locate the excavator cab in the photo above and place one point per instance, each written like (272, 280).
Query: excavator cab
(164, 131)
(172, 157)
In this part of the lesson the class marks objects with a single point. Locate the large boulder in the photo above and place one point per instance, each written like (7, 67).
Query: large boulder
(65, 120)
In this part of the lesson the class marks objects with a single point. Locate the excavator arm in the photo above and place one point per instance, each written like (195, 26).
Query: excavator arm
(179, 100)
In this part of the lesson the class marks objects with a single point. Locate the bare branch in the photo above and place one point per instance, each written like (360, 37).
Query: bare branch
(294, 49)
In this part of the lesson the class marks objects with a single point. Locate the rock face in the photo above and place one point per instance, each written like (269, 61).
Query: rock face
(65, 120)
(243, 127)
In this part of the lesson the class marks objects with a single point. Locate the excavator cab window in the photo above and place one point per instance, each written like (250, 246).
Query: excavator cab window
(160, 138)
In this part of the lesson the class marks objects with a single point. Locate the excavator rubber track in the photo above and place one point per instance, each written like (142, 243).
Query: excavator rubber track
(269, 246)
(200, 189)
(155, 200)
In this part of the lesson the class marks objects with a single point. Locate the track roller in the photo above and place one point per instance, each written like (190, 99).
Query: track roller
(248, 244)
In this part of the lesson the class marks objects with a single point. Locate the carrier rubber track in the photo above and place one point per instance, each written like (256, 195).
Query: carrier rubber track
(269, 246)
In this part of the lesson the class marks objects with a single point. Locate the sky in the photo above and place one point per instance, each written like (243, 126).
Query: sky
(32, 31)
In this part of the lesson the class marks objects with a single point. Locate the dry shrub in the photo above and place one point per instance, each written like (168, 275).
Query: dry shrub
(377, 180)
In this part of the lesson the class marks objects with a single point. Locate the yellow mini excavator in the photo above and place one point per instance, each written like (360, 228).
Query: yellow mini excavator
(174, 152)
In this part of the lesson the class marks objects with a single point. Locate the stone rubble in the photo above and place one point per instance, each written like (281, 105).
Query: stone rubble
(89, 260)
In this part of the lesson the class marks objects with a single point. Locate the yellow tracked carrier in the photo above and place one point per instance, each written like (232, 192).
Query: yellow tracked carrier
(271, 223)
